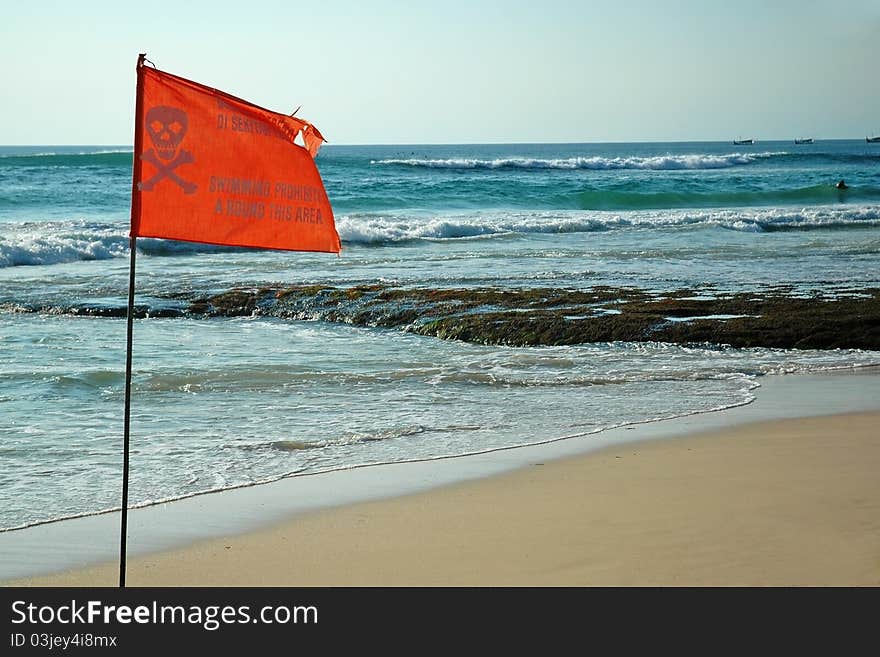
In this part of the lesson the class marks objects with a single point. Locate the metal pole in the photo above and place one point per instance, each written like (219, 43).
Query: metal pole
(135, 223)
(123, 532)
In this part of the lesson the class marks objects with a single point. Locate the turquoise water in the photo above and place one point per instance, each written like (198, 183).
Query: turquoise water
(225, 402)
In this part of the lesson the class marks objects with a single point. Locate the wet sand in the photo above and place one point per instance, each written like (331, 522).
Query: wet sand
(792, 502)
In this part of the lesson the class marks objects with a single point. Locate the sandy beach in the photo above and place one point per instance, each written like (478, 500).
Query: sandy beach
(793, 502)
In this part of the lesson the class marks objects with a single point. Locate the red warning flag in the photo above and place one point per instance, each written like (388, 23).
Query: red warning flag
(212, 168)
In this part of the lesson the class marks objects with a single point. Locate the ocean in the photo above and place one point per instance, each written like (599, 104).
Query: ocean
(222, 402)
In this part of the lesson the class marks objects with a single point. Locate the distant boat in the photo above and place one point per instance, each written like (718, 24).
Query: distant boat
(872, 140)
(741, 142)
(804, 140)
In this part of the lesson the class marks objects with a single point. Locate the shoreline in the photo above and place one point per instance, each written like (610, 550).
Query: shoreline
(238, 515)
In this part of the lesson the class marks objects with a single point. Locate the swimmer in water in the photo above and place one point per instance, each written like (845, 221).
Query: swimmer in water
(842, 185)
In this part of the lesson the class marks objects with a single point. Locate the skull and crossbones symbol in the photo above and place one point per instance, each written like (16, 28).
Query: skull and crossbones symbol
(167, 127)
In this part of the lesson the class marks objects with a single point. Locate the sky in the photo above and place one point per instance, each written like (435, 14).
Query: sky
(457, 71)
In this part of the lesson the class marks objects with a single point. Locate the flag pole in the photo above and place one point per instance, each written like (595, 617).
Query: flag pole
(123, 530)
(135, 215)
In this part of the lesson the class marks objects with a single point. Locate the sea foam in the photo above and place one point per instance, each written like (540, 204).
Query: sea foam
(52, 243)
(659, 162)
(379, 229)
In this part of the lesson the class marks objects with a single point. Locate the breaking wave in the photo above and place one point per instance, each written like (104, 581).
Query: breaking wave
(658, 162)
(50, 244)
(64, 242)
(53, 243)
(97, 157)
(377, 230)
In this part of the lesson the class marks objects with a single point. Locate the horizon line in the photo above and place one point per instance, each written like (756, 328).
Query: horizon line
(493, 143)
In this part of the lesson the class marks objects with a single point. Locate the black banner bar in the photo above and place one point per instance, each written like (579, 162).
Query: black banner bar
(417, 620)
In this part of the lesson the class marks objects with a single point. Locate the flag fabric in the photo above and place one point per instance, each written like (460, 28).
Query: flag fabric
(213, 168)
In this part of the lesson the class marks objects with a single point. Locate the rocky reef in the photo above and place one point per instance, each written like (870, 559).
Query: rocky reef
(543, 316)
(776, 317)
